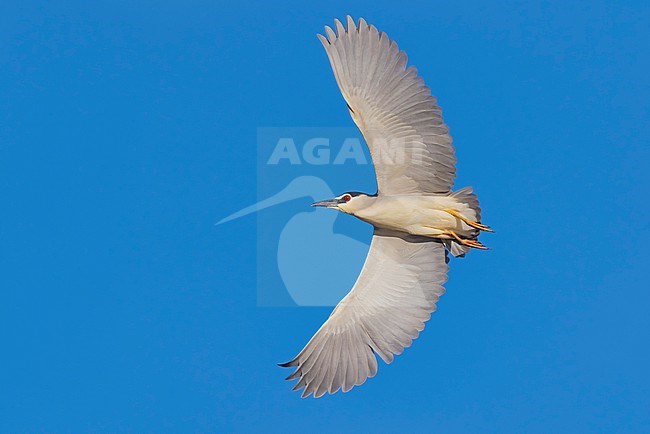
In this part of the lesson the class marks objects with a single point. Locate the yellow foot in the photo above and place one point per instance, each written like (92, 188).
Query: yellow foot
(476, 244)
(475, 225)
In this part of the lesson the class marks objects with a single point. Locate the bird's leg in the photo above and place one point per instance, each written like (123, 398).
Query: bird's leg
(466, 242)
(475, 225)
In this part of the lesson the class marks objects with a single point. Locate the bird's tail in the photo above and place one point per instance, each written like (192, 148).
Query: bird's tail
(464, 195)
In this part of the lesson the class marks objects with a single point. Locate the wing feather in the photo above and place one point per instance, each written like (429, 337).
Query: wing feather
(386, 309)
(409, 143)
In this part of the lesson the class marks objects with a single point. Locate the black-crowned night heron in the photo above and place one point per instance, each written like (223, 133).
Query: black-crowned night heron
(416, 216)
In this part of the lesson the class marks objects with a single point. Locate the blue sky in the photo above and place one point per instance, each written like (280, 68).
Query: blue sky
(127, 130)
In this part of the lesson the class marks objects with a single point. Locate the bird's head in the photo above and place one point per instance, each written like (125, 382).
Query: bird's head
(349, 202)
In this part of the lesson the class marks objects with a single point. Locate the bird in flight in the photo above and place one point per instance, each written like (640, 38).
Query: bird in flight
(417, 219)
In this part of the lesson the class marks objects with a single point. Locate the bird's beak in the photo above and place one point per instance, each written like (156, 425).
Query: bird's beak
(331, 203)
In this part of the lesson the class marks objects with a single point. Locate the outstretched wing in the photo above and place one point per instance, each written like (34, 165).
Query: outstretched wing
(399, 119)
(386, 309)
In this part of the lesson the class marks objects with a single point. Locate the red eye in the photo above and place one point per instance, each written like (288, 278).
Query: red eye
(347, 198)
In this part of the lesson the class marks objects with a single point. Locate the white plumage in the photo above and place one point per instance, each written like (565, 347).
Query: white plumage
(415, 214)
(394, 110)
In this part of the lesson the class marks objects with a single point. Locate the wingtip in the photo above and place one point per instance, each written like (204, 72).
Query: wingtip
(362, 24)
(323, 40)
(340, 30)
(350, 22)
